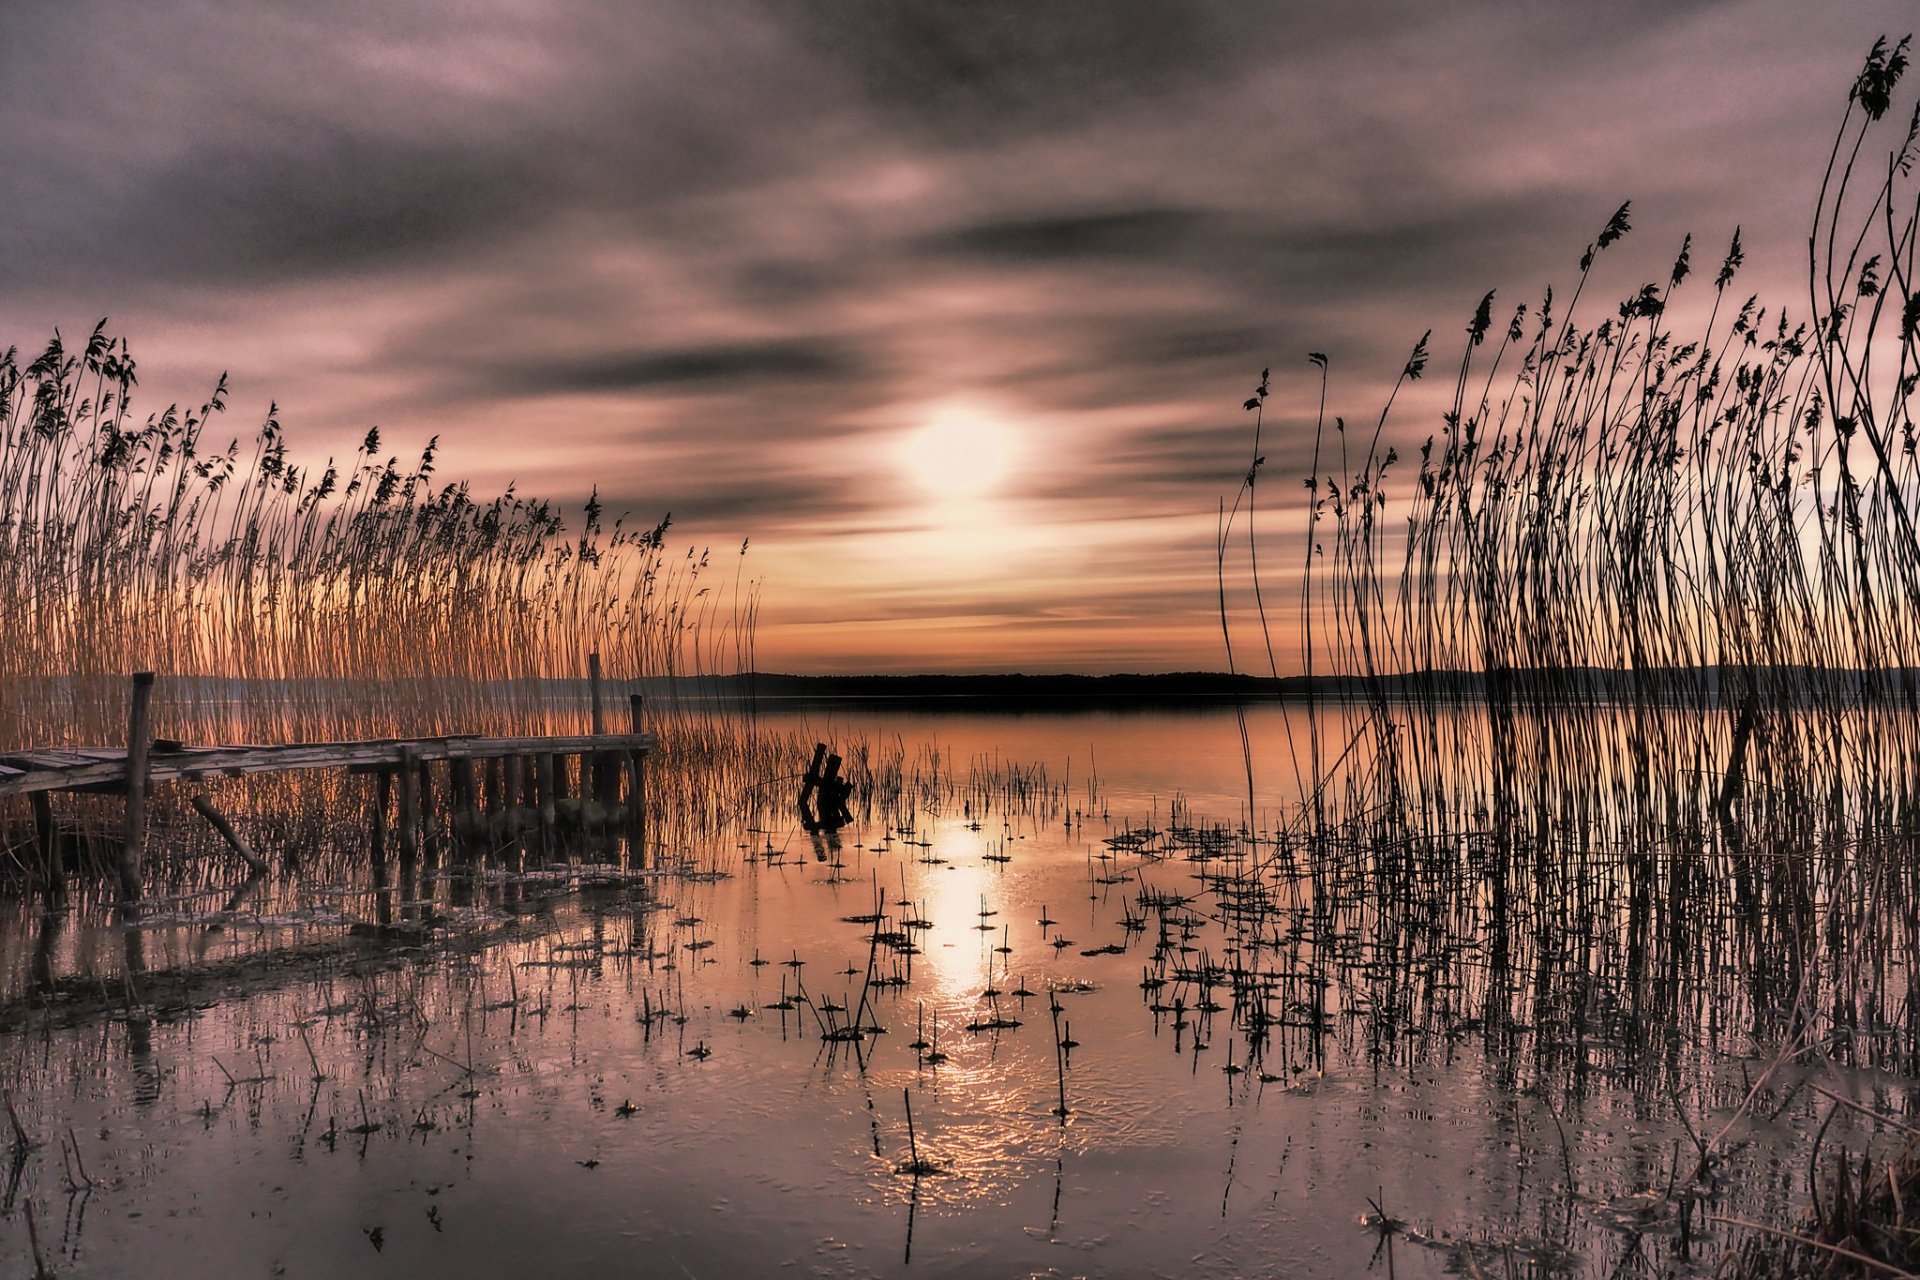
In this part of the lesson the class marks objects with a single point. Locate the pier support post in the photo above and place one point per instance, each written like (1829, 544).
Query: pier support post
(600, 765)
(255, 863)
(466, 808)
(599, 721)
(139, 746)
(549, 784)
(382, 881)
(428, 815)
(382, 806)
(409, 807)
(46, 839)
(637, 784)
(515, 807)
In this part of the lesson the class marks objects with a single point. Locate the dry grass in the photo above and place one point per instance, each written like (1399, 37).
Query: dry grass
(286, 601)
(283, 601)
(1863, 1226)
(1636, 658)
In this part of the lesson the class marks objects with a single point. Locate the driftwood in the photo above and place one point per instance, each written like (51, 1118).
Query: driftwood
(205, 809)
(824, 793)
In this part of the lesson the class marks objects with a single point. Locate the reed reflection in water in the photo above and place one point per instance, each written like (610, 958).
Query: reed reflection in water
(1280, 1040)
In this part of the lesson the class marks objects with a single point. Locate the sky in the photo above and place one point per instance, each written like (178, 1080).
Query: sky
(949, 307)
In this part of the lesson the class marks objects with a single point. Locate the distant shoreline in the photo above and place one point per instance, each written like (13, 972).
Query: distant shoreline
(1185, 688)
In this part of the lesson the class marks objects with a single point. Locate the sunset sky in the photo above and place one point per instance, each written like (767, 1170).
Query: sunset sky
(949, 307)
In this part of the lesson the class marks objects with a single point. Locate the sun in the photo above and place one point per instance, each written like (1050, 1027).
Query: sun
(960, 450)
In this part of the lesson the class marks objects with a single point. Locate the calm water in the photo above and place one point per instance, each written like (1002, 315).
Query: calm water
(593, 1075)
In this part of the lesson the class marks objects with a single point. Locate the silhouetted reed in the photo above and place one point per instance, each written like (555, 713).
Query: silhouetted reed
(1613, 758)
(1647, 599)
(284, 601)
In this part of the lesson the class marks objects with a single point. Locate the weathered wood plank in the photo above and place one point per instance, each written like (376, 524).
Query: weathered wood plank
(30, 771)
(49, 759)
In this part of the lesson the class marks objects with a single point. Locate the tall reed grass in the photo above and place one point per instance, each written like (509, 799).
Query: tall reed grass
(282, 600)
(1631, 653)
(1710, 530)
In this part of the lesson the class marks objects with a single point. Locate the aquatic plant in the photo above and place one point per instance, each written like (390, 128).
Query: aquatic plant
(1706, 531)
(283, 600)
(1614, 690)
(280, 600)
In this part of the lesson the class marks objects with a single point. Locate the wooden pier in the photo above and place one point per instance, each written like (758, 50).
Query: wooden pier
(532, 766)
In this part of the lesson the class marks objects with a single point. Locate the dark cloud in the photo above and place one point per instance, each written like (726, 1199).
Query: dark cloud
(1148, 343)
(723, 367)
(1123, 235)
(763, 503)
(313, 201)
(967, 71)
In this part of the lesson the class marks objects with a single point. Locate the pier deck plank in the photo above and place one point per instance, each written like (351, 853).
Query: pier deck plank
(103, 768)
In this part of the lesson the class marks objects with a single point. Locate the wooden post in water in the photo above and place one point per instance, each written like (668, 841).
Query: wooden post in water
(139, 745)
(382, 805)
(599, 766)
(429, 832)
(46, 838)
(593, 688)
(811, 781)
(516, 801)
(382, 881)
(409, 804)
(460, 788)
(637, 784)
(549, 790)
(833, 796)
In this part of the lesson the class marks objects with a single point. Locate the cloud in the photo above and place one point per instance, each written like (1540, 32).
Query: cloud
(964, 72)
(1109, 235)
(721, 367)
(718, 256)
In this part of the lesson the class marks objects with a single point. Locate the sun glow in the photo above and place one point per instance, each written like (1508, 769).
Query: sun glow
(960, 450)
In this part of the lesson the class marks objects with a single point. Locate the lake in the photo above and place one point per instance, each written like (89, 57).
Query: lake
(795, 1054)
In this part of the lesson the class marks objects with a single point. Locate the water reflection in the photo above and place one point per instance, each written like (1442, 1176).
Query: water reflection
(1489, 1064)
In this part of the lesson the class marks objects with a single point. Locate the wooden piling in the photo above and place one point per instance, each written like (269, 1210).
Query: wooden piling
(46, 840)
(833, 791)
(637, 784)
(460, 783)
(409, 804)
(516, 767)
(494, 792)
(428, 815)
(139, 746)
(593, 689)
(382, 806)
(549, 791)
(812, 779)
(600, 766)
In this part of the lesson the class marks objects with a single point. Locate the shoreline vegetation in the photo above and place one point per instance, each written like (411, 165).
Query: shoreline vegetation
(369, 597)
(282, 599)
(1680, 543)
(1603, 686)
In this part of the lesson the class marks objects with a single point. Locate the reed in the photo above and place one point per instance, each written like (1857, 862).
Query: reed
(1696, 514)
(1614, 719)
(282, 600)
(289, 601)
(1859, 1227)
